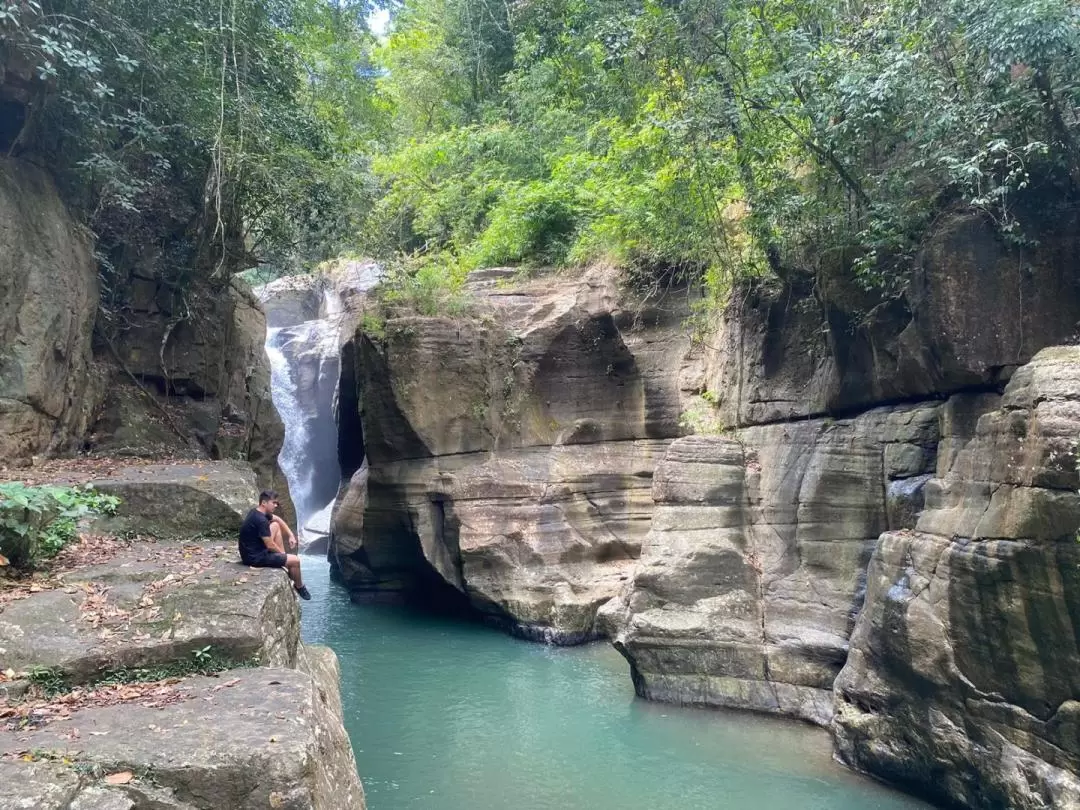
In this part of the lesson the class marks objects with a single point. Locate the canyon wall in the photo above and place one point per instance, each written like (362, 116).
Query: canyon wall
(766, 517)
(175, 371)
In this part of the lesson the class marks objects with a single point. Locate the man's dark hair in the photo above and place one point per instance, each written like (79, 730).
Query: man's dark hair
(267, 495)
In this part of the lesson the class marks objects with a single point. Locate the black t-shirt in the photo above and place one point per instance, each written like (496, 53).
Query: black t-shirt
(256, 526)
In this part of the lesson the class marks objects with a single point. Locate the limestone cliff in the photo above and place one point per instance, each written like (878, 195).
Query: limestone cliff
(859, 523)
(510, 456)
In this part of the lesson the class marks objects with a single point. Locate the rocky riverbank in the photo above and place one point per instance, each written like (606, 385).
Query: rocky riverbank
(159, 672)
(825, 510)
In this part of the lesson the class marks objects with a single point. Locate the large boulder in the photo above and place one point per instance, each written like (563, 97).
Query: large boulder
(179, 500)
(49, 388)
(963, 678)
(510, 454)
(247, 739)
(753, 569)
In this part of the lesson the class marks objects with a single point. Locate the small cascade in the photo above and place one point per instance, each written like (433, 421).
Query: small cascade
(305, 366)
(305, 318)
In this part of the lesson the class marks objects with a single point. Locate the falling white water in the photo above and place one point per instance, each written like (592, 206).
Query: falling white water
(305, 366)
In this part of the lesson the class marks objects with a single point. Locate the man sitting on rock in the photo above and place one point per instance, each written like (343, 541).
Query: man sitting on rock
(261, 545)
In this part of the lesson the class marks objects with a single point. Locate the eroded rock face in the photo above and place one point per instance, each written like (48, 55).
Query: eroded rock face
(270, 739)
(975, 310)
(964, 668)
(48, 300)
(510, 456)
(211, 397)
(752, 572)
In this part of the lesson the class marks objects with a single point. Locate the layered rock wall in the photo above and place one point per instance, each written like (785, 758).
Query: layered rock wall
(964, 671)
(510, 456)
(863, 533)
(753, 570)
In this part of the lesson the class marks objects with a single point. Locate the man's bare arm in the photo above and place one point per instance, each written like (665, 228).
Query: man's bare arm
(272, 544)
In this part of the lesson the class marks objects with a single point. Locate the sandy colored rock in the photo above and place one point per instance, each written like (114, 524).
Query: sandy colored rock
(510, 454)
(962, 678)
(246, 740)
(752, 570)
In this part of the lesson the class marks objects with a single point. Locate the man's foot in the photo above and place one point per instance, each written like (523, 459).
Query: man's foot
(304, 593)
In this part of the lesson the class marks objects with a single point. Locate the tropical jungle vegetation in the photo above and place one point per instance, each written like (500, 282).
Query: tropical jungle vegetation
(713, 140)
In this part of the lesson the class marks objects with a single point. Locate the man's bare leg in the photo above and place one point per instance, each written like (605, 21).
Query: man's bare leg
(292, 565)
(292, 562)
(275, 538)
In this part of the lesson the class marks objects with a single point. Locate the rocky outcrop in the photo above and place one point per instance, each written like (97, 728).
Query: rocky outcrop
(48, 301)
(964, 670)
(197, 387)
(973, 311)
(510, 455)
(151, 605)
(247, 740)
(174, 370)
(753, 569)
(204, 499)
(266, 734)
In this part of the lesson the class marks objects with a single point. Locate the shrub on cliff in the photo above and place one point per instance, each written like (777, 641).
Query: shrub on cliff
(36, 522)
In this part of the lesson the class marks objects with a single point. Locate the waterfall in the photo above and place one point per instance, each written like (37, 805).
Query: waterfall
(305, 318)
(304, 371)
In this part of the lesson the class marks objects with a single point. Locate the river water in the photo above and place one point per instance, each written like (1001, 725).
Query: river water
(454, 716)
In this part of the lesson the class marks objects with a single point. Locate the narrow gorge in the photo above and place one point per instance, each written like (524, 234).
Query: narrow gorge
(677, 405)
(865, 524)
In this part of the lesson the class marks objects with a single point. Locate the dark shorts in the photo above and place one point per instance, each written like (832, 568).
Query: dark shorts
(268, 559)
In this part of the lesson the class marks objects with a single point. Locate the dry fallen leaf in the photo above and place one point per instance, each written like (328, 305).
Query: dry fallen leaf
(4, 561)
(121, 778)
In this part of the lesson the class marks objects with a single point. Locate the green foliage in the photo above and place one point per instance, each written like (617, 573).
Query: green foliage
(207, 135)
(724, 141)
(52, 681)
(427, 284)
(36, 522)
(202, 661)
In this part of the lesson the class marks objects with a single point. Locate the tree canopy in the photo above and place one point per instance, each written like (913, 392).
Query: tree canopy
(725, 139)
(719, 140)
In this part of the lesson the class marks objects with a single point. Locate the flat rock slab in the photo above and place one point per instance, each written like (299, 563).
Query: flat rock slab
(199, 499)
(245, 740)
(153, 604)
